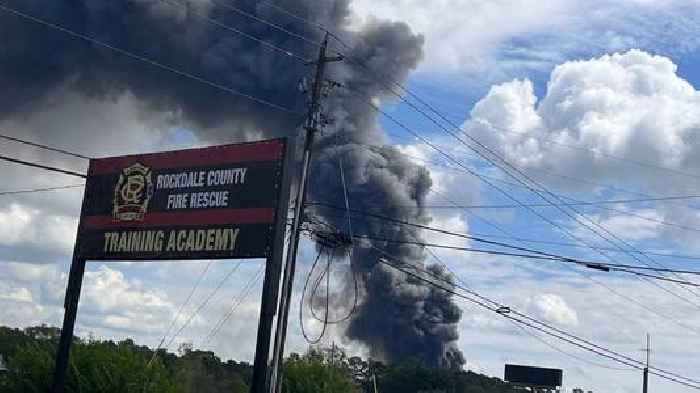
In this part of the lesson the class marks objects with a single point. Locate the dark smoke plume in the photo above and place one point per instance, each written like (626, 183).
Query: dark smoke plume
(398, 318)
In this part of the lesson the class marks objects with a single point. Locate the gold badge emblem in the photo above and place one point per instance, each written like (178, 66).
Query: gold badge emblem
(132, 193)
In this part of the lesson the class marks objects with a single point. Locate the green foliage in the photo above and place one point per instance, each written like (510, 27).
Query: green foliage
(103, 367)
(414, 377)
(124, 367)
(314, 373)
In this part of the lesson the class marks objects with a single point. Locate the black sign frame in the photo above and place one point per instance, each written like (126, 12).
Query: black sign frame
(273, 253)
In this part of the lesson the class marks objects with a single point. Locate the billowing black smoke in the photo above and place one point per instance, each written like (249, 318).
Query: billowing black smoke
(398, 317)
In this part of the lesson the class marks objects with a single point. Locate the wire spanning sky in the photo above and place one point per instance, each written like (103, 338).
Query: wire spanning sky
(594, 101)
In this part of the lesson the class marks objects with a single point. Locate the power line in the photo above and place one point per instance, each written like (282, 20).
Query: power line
(301, 303)
(574, 202)
(45, 147)
(563, 352)
(554, 243)
(268, 23)
(601, 266)
(490, 242)
(147, 60)
(30, 191)
(535, 212)
(576, 213)
(498, 307)
(237, 301)
(179, 311)
(41, 166)
(603, 285)
(592, 151)
(583, 203)
(271, 4)
(203, 304)
(553, 332)
(183, 305)
(517, 171)
(530, 321)
(239, 32)
(533, 335)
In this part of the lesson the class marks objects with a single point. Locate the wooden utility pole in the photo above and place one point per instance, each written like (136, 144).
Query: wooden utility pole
(313, 124)
(645, 382)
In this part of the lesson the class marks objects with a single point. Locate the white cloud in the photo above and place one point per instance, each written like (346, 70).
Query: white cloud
(645, 224)
(468, 29)
(553, 308)
(501, 37)
(631, 105)
(19, 295)
(109, 290)
(39, 228)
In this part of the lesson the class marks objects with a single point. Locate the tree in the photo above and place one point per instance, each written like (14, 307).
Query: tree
(314, 373)
(103, 367)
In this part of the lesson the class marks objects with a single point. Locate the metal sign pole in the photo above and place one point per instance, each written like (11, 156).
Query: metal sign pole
(271, 283)
(75, 282)
(175, 205)
(70, 305)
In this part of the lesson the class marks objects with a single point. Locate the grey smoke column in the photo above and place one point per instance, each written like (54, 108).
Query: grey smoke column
(398, 318)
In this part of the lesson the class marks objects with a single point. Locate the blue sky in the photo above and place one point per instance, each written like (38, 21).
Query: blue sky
(598, 75)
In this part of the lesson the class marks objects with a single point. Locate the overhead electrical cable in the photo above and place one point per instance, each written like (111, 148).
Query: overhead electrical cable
(275, 26)
(395, 82)
(145, 59)
(618, 294)
(237, 31)
(535, 212)
(547, 242)
(573, 202)
(582, 203)
(528, 332)
(179, 311)
(45, 189)
(303, 297)
(576, 216)
(44, 147)
(538, 253)
(596, 152)
(431, 108)
(526, 320)
(576, 202)
(601, 266)
(42, 166)
(534, 323)
(203, 304)
(236, 302)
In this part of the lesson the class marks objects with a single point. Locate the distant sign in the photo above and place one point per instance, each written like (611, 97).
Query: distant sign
(216, 202)
(533, 376)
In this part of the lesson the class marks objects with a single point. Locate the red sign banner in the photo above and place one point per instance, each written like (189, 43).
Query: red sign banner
(208, 203)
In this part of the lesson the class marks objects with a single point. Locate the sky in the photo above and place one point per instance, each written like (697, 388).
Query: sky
(594, 100)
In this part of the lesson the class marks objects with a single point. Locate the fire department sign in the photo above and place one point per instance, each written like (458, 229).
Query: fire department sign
(217, 202)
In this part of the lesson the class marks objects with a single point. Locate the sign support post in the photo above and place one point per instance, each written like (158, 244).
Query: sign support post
(70, 307)
(219, 202)
(271, 282)
(75, 282)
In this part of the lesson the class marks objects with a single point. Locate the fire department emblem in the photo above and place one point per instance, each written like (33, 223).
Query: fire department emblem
(132, 193)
